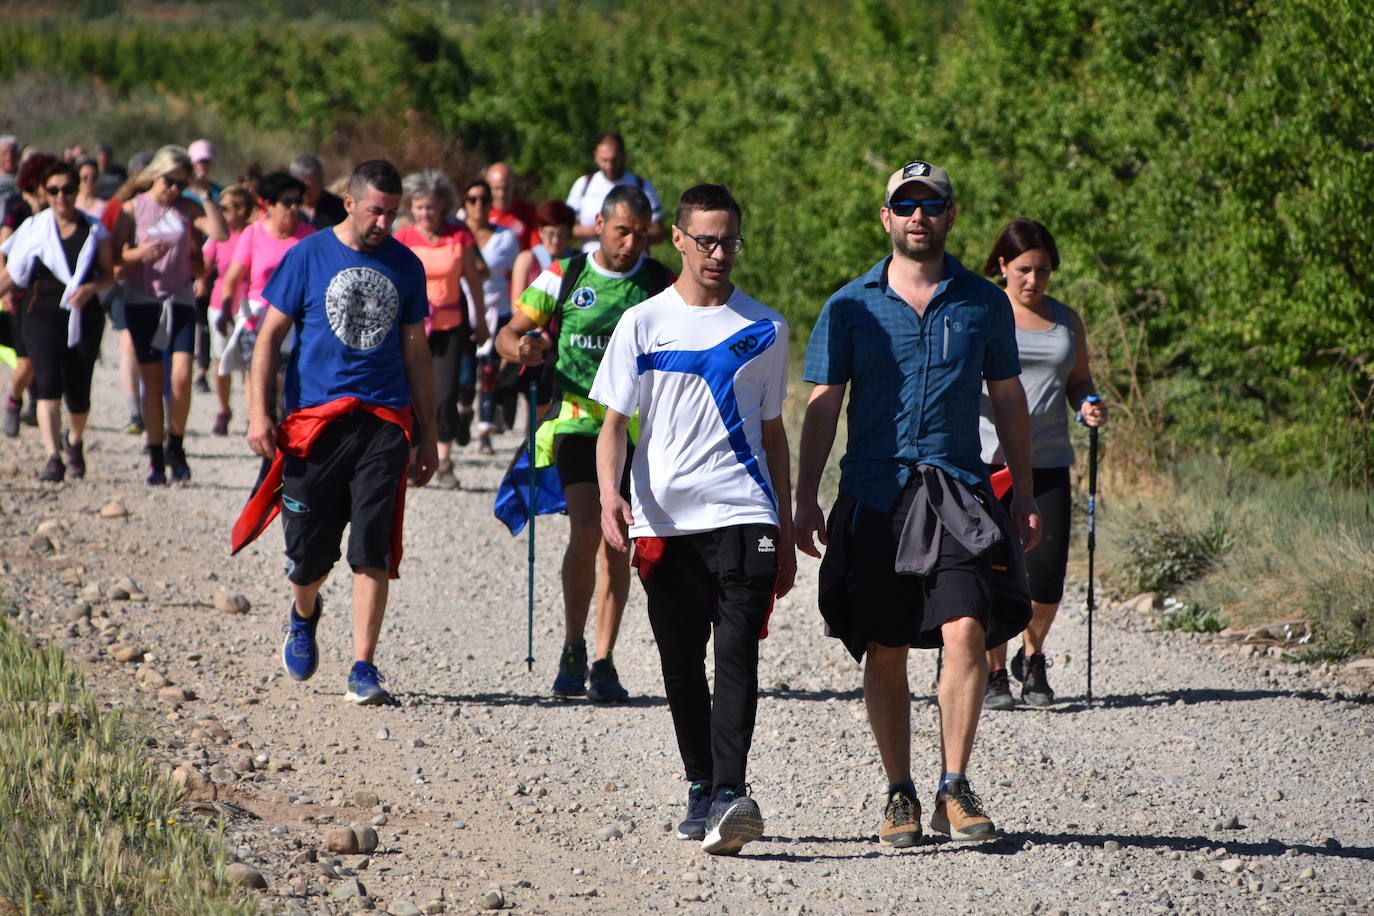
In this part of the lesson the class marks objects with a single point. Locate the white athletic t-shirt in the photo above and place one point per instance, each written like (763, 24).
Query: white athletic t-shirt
(589, 192)
(703, 381)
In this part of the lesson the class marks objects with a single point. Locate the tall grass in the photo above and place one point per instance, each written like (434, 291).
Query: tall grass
(1251, 549)
(86, 826)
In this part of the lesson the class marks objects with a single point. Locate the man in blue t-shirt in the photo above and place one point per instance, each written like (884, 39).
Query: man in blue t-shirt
(359, 401)
(918, 553)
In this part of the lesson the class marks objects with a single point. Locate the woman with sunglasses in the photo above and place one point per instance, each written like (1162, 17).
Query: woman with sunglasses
(86, 199)
(256, 255)
(161, 257)
(1053, 346)
(18, 208)
(500, 247)
(61, 258)
(449, 254)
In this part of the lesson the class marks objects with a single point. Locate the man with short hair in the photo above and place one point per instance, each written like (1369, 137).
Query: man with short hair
(9, 167)
(508, 209)
(705, 367)
(919, 552)
(359, 400)
(589, 191)
(319, 207)
(599, 288)
(112, 174)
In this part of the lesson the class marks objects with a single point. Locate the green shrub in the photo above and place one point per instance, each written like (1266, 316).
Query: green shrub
(1164, 554)
(1190, 617)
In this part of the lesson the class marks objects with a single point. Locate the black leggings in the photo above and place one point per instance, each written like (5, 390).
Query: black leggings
(718, 580)
(450, 349)
(1048, 560)
(59, 370)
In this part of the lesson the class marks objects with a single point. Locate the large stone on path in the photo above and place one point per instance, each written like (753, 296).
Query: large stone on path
(341, 840)
(366, 837)
(114, 510)
(365, 798)
(231, 603)
(127, 654)
(243, 875)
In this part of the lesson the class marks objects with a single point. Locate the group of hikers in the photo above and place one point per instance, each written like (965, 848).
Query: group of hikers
(660, 411)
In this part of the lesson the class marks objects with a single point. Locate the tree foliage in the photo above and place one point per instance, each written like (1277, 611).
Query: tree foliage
(1203, 163)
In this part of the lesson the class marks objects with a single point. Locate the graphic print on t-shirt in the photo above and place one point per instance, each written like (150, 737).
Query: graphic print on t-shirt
(717, 367)
(362, 305)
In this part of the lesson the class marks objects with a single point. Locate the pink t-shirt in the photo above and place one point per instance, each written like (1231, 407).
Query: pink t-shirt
(221, 255)
(261, 252)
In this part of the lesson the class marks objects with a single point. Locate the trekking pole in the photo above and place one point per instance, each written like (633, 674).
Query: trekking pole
(1092, 533)
(530, 508)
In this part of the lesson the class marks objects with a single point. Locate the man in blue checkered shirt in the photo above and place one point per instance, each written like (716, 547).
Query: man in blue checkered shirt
(914, 340)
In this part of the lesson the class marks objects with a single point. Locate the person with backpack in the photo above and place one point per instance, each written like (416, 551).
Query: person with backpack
(581, 299)
(589, 192)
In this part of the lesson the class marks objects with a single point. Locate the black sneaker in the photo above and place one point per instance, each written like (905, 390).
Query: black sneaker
(54, 470)
(176, 463)
(603, 683)
(998, 693)
(76, 459)
(572, 671)
(202, 383)
(734, 819)
(901, 825)
(698, 807)
(1036, 686)
(1018, 665)
(10, 422)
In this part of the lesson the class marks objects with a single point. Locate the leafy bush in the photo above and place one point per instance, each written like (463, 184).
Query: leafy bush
(1191, 617)
(1164, 554)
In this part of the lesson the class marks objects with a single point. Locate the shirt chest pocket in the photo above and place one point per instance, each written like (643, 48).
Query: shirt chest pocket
(956, 343)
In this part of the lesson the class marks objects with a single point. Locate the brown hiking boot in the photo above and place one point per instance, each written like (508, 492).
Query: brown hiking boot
(901, 821)
(959, 813)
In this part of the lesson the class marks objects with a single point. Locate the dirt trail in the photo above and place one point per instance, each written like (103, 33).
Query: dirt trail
(482, 779)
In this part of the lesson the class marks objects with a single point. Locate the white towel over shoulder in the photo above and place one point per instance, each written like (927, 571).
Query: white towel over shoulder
(38, 239)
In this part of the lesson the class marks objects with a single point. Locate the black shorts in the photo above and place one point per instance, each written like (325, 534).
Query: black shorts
(893, 609)
(60, 370)
(14, 332)
(350, 478)
(142, 321)
(1047, 561)
(574, 454)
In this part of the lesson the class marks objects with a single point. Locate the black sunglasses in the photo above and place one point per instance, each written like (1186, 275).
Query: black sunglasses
(931, 206)
(479, 199)
(66, 190)
(179, 183)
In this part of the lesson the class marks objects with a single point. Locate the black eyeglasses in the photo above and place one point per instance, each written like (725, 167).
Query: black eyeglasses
(66, 190)
(730, 244)
(290, 202)
(931, 206)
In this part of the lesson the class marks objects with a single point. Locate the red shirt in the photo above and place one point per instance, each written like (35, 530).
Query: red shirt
(522, 219)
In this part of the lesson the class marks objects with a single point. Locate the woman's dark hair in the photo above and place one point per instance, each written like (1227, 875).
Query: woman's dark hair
(1016, 238)
(32, 171)
(60, 167)
(556, 213)
(476, 183)
(275, 184)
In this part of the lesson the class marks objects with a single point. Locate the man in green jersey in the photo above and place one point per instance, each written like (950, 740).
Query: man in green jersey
(583, 310)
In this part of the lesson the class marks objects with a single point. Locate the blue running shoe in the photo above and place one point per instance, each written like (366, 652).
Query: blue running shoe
(734, 820)
(365, 688)
(698, 806)
(299, 654)
(603, 683)
(572, 671)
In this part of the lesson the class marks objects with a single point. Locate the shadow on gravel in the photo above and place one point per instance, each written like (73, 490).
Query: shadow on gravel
(927, 845)
(813, 695)
(1191, 696)
(1274, 848)
(542, 700)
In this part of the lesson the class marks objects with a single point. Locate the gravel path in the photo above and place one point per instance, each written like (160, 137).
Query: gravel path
(1205, 779)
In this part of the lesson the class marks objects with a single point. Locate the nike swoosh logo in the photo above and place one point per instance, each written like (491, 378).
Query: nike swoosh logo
(664, 343)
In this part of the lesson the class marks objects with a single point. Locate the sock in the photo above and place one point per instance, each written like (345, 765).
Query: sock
(156, 457)
(907, 788)
(947, 779)
(175, 444)
(14, 402)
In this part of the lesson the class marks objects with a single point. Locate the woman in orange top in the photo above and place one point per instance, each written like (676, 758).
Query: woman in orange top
(449, 254)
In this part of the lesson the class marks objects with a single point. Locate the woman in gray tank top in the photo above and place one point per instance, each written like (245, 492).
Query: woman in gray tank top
(1053, 347)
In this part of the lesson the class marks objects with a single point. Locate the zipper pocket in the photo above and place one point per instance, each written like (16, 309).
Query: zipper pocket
(946, 351)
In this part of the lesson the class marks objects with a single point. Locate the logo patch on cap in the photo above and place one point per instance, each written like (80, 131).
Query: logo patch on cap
(917, 169)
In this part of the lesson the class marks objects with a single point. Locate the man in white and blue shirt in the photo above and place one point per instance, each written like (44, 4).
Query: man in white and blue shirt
(705, 366)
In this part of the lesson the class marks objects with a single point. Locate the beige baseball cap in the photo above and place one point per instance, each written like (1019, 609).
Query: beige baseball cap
(917, 170)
